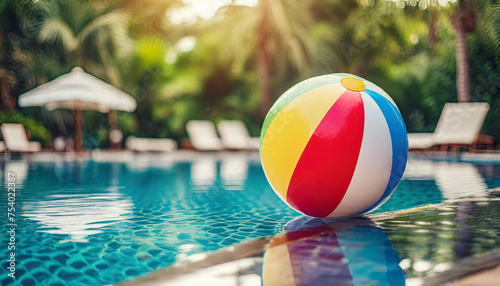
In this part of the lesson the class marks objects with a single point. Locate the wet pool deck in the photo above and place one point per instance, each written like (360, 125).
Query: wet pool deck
(453, 243)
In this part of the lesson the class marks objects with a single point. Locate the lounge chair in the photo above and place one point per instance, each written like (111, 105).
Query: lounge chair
(458, 126)
(234, 135)
(203, 135)
(150, 144)
(16, 139)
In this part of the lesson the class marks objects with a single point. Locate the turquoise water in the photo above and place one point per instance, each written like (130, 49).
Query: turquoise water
(406, 249)
(95, 223)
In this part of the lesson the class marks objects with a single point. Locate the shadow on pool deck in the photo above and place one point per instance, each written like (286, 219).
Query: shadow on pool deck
(454, 243)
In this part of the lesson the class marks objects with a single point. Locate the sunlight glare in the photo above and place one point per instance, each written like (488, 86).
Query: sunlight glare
(204, 9)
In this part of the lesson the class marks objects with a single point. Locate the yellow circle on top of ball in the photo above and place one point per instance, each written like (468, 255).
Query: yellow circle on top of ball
(353, 84)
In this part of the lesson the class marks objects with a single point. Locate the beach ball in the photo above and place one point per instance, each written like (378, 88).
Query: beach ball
(334, 146)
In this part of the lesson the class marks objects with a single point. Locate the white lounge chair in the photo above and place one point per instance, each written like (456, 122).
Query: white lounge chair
(234, 135)
(150, 144)
(16, 140)
(458, 125)
(203, 135)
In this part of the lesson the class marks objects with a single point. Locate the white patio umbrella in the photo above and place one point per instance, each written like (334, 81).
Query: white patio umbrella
(79, 91)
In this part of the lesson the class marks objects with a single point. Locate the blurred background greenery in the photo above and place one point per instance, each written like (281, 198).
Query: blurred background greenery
(231, 59)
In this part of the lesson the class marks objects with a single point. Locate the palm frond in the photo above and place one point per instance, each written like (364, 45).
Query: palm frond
(56, 28)
(116, 21)
(239, 43)
(490, 22)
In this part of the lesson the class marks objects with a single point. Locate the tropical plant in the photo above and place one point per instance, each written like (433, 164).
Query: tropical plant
(37, 131)
(244, 57)
(356, 33)
(10, 12)
(464, 23)
(143, 72)
(274, 34)
(89, 34)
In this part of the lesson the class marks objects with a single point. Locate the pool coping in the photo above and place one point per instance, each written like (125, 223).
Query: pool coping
(475, 264)
(252, 248)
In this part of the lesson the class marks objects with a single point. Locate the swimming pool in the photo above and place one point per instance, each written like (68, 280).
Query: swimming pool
(92, 223)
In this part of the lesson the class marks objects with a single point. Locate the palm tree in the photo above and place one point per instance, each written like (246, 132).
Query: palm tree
(274, 34)
(356, 32)
(7, 81)
(144, 72)
(88, 33)
(9, 25)
(464, 23)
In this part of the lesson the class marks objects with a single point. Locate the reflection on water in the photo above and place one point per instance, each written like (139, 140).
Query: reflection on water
(430, 240)
(19, 168)
(455, 180)
(234, 171)
(342, 252)
(204, 173)
(104, 222)
(400, 250)
(78, 215)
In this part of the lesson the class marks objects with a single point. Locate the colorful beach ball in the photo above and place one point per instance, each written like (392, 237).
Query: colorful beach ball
(334, 146)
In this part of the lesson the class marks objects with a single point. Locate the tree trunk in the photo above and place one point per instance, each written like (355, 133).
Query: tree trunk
(6, 83)
(463, 85)
(264, 64)
(78, 131)
(112, 119)
(433, 37)
(8, 102)
(463, 22)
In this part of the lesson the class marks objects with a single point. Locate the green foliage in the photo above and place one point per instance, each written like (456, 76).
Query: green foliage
(485, 80)
(406, 47)
(37, 131)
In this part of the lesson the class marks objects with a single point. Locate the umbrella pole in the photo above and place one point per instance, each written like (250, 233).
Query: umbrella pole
(78, 131)
(112, 118)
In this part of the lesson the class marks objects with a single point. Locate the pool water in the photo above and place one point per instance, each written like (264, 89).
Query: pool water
(95, 223)
(432, 245)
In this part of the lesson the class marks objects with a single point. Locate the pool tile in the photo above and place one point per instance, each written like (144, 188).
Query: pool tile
(155, 211)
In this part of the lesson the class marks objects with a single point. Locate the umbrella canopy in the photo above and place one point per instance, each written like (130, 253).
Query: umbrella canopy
(78, 90)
